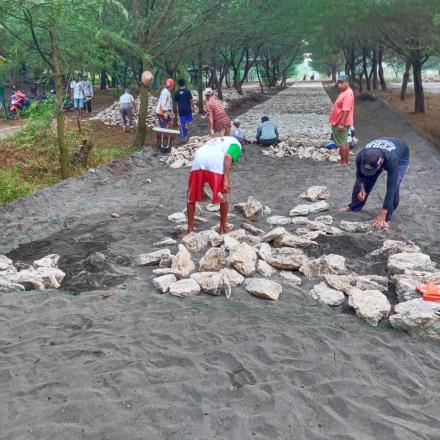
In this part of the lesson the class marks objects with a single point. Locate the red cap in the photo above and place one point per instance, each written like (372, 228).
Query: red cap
(169, 82)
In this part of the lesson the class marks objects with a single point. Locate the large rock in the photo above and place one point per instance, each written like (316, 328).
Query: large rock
(167, 271)
(391, 247)
(406, 284)
(153, 258)
(252, 229)
(342, 283)
(230, 243)
(177, 217)
(355, 226)
(243, 259)
(5, 263)
(164, 282)
(372, 282)
(294, 241)
(210, 282)
(51, 260)
(326, 219)
(304, 210)
(278, 220)
(371, 305)
(235, 279)
(185, 288)
(7, 286)
(167, 241)
(418, 317)
(273, 235)
(182, 262)
(265, 269)
(291, 279)
(404, 261)
(199, 241)
(326, 264)
(213, 208)
(213, 260)
(326, 295)
(40, 278)
(263, 288)
(285, 258)
(313, 225)
(314, 193)
(251, 207)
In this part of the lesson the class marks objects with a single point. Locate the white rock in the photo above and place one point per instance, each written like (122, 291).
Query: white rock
(355, 226)
(51, 276)
(251, 207)
(285, 258)
(115, 215)
(185, 288)
(316, 193)
(263, 288)
(237, 233)
(326, 264)
(265, 269)
(182, 262)
(168, 241)
(404, 261)
(51, 260)
(304, 210)
(391, 247)
(372, 282)
(5, 262)
(267, 210)
(278, 220)
(210, 282)
(7, 286)
(230, 243)
(243, 259)
(198, 241)
(164, 282)
(290, 278)
(406, 284)
(273, 234)
(418, 317)
(326, 219)
(153, 258)
(235, 279)
(167, 271)
(252, 229)
(342, 283)
(324, 294)
(294, 241)
(371, 305)
(213, 208)
(213, 260)
(250, 239)
(177, 217)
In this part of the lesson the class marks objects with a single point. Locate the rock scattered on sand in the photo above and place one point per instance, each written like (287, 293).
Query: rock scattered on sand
(372, 282)
(278, 220)
(230, 243)
(51, 260)
(5, 262)
(243, 259)
(265, 269)
(164, 282)
(315, 193)
(210, 282)
(213, 260)
(326, 295)
(168, 241)
(391, 247)
(294, 241)
(419, 318)
(406, 283)
(342, 283)
(289, 278)
(304, 210)
(213, 208)
(285, 258)
(326, 219)
(273, 234)
(262, 288)
(249, 208)
(355, 226)
(177, 217)
(324, 265)
(235, 279)
(404, 261)
(182, 262)
(153, 258)
(199, 241)
(185, 288)
(252, 229)
(371, 305)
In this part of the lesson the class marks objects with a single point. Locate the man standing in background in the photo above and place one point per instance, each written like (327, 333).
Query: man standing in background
(341, 118)
(88, 94)
(126, 106)
(164, 108)
(219, 122)
(185, 108)
(77, 95)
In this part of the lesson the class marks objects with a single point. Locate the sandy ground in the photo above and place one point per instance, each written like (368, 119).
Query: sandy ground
(139, 365)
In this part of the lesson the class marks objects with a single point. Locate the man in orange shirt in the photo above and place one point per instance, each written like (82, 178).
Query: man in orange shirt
(341, 117)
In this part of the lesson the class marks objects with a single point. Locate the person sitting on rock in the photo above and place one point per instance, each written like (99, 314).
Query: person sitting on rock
(212, 165)
(267, 132)
(387, 153)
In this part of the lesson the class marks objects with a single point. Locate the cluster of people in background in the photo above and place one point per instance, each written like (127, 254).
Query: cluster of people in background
(81, 92)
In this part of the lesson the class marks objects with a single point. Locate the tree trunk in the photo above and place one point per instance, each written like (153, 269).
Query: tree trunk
(405, 81)
(364, 68)
(200, 78)
(103, 85)
(419, 105)
(333, 74)
(374, 69)
(383, 84)
(63, 156)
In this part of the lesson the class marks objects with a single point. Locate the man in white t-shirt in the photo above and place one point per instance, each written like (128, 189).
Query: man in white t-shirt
(126, 106)
(88, 93)
(77, 94)
(212, 165)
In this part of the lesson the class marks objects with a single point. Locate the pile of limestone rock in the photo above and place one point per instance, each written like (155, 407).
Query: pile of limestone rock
(183, 156)
(264, 262)
(42, 274)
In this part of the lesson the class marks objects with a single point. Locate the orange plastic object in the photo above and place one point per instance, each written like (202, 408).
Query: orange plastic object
(430, 291)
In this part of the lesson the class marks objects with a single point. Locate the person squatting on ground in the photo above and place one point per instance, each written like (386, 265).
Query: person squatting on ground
(341, 118)
(164, 108)
(77, 94)
(238, 133)
(390, 154)
(219, 122)
(267, 132)
(126, 106)
(212, 165)
(185, 108)
(88, 94)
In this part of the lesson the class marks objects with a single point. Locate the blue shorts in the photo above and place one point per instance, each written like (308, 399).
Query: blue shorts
(78, 103)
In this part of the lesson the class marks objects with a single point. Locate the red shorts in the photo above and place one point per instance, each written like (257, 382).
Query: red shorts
(198, 179)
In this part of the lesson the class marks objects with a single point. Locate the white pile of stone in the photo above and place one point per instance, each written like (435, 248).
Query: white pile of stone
(183, 155)
(42, 274)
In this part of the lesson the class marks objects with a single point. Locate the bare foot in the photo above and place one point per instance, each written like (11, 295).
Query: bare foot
(345, 209)
(224, 230)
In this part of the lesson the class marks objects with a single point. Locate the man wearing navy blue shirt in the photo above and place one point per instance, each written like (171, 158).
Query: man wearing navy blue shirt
(390, 154)
(185, 107)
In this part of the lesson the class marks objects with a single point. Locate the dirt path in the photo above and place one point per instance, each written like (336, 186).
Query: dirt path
(141, 365)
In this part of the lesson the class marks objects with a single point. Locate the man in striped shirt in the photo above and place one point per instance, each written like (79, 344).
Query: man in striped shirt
(219, 122)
